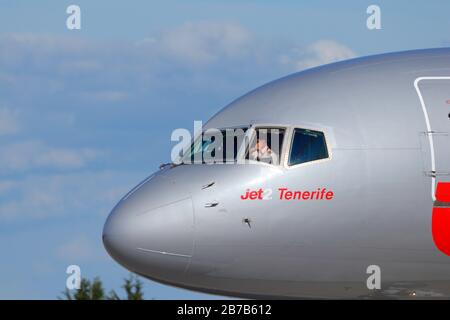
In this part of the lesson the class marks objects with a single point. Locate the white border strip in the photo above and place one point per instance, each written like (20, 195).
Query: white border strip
(430, 136)
(165, 253)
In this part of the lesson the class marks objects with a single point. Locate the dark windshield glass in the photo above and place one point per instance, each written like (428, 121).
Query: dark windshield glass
(216, 146)
(307, 145)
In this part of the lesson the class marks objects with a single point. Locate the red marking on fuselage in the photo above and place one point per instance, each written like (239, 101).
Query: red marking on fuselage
(441, 229)
(441, 218)
(443, 192)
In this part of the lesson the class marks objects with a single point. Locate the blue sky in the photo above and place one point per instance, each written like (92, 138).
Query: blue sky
(86, 114)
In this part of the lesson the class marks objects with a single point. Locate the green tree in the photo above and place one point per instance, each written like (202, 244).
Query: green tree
(133, 288)
(94, 290)
(88, 291)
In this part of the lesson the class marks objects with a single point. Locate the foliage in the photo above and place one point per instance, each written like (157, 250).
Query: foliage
(93, 290)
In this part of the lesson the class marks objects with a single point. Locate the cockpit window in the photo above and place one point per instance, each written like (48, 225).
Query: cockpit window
(266, 145)
(307, 145)
(216, 146)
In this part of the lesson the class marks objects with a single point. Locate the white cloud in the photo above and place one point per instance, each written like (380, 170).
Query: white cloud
(191, 55)
(16, 46)
(8, 122)
(54, 59)
(58, 195)
(81, 65)
(316, 54)
(77, 249)
(204, 42)
(6, 185)
(106, 96)
(64, 158)
(26, 155)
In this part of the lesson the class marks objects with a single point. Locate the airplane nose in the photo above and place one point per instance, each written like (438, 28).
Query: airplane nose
(149, 237)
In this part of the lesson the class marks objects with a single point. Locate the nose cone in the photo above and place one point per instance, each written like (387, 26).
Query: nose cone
(150, 234)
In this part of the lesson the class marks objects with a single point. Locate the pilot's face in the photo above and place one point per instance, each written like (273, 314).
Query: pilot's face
(261, 144)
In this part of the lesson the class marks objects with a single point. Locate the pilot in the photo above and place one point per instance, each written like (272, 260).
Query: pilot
(262, 152)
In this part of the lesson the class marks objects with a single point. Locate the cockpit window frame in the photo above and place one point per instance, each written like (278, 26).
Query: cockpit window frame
(247, 128)
(250, 134)
(288, 149)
